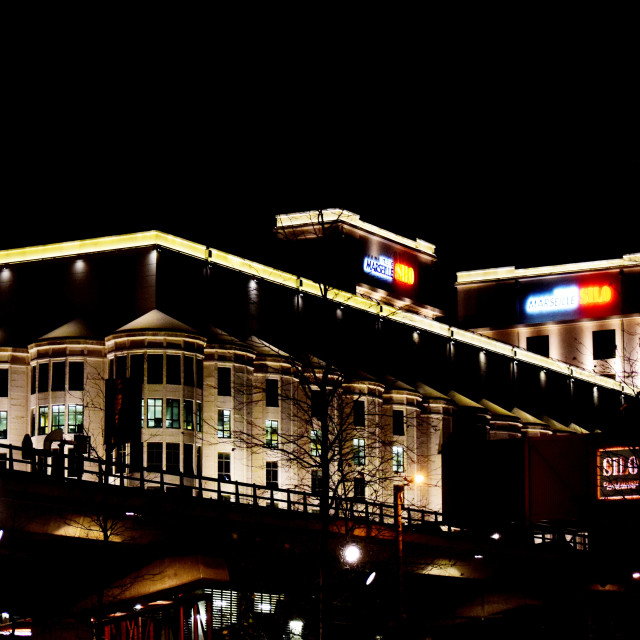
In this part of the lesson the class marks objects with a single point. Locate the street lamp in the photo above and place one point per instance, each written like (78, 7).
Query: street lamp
(398, 501)
(351, 553)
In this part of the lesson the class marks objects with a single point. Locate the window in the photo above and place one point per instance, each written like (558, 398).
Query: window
(272, 474)
(224, 466)
(199, 373)
(187, 459)
(58, 372)
(121, 367)
(174, 375)
(398, 422)
(199, 417)
(43, 420)
(172, 413)
(136, 367)
(539, 345)
(188, 415)
(271, 392)
(173, 457)
(155, 365)
(224, 608)
(75, 418)
(271, 440)
(265, 602)
(358, 451)
(317, 404)
(316, 481)
(3, 425)
(43, 377)
(121, 458)
(188, 371)
(316, 442)
(358, 413)
(33, 379)
(154, 456)
(224, 381)
(4, 383)
(154, 413)
(57, 416)
(604, 344)
(224, 423)
(398, 459)
(359, 487)
(76, 376)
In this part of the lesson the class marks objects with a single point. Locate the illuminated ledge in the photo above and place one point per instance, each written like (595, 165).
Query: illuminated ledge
(333, 215)
(257, 270)
(110, 243)
(502, 273)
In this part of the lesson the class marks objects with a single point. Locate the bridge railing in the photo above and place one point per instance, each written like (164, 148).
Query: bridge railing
(74, 467)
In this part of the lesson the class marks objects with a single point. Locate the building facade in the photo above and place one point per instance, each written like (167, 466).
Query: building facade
(586, 315)
(169, 355)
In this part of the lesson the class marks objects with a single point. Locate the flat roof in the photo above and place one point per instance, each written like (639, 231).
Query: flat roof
(311, 218)
(505, 273)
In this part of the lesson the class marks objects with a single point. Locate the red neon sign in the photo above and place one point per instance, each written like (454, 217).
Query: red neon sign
(404, 273)
(595, 295)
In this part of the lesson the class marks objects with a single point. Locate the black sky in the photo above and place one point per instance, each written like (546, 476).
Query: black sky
(520, 156)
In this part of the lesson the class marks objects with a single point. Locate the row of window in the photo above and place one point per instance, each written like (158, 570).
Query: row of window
(603, 344)
(170, 417)
(59, 416)
(58, 375)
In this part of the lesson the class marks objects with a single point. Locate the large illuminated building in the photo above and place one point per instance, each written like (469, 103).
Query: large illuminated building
(586, 315)
(164, 354)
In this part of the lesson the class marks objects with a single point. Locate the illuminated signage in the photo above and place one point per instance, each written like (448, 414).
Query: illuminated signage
(386, 269)
(381, 267)
(618, 474)
(577, 299)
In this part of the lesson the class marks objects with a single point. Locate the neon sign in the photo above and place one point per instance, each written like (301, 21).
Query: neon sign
(386, 269)
(571, 298)
(618, 474)
(560, 299)
(381, 267)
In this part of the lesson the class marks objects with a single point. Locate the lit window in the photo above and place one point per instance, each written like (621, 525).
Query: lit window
(76, 412)
(224, 423)
(154, 413)
(398, 459)
(3, 425)
(188, 415)
(172, 414)
(43, 420)
(358, 452)
(265, 602)
(316, 442)
(57, 416)
(272, 434)
(199, 416)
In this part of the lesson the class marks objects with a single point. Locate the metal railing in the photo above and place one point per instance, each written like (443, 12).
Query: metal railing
(73, 467)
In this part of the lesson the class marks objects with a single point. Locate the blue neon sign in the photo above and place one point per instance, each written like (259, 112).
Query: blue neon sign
(559, 299)
(381, 267)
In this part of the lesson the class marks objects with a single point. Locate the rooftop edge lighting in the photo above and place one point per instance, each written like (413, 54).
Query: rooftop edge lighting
(221, 258)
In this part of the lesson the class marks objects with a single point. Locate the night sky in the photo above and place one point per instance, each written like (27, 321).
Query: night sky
(493, 166)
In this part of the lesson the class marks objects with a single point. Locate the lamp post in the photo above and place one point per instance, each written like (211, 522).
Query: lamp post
(398, 501)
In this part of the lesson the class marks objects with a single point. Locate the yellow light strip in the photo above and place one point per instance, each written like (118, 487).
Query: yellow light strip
(502, 273)
(110, 243)
(257, 270)
(333, 215)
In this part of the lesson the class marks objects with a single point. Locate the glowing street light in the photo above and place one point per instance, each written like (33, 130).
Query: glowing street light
(351, 553)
